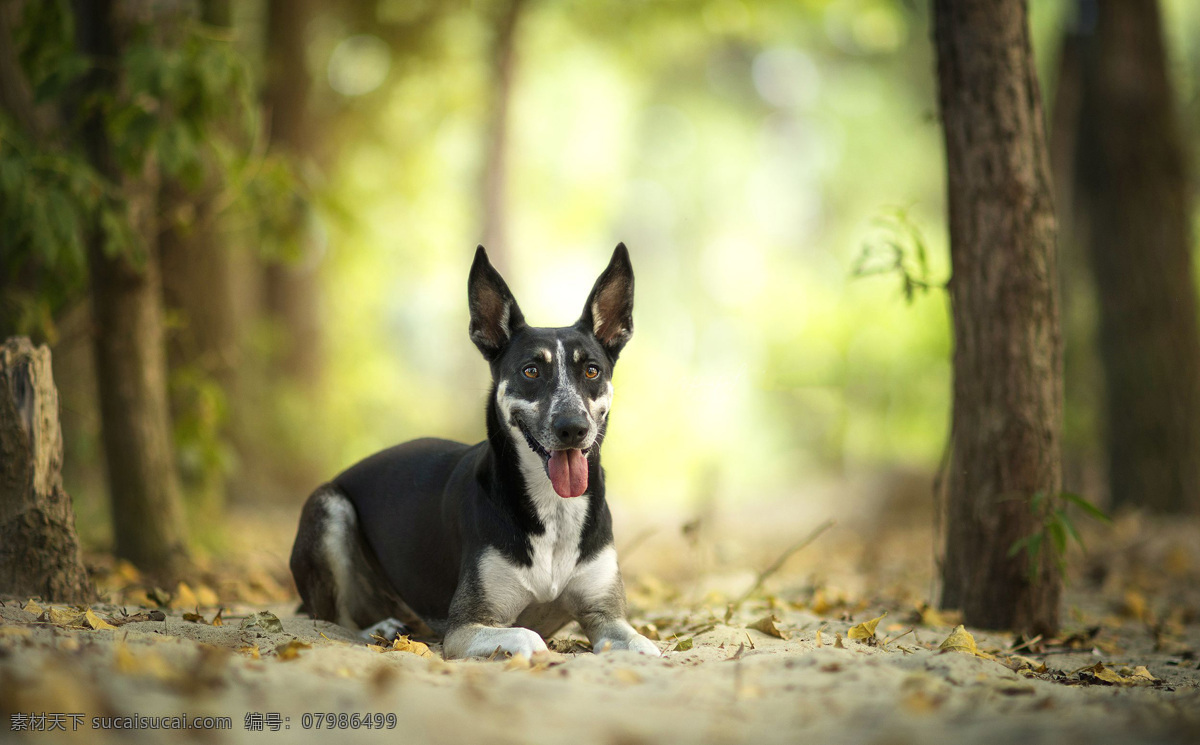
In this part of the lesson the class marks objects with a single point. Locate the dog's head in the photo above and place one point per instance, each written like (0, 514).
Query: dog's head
(553, 386)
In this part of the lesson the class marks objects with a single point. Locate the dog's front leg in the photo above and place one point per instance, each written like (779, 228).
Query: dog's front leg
(485, 606)
(596, 598)
(480, 640)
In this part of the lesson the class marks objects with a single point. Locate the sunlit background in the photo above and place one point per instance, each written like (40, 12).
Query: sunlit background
(756, 158)
(748, 155)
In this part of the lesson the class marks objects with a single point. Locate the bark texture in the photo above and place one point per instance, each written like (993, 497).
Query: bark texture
(1132, 213)
(1007, 401)
(39, 550)
(148, 522)
(291, 291)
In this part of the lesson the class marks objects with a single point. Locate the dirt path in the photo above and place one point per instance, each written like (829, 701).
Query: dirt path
(735, 683)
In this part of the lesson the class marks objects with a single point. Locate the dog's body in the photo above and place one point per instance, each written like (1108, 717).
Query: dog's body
(498, 544)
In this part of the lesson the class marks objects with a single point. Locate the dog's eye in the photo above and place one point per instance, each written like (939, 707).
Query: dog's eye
(531, 372)
(591, 371)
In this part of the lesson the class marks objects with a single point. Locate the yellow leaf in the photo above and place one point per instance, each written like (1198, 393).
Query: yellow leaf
(866, 629)
(96, 622)
(205, 596)
(33, 607)
(291, 650)
(217, 618)
(960, 640)
(1139, 673)
(768, 625)
(683, 645)
(927, 615)
(818, 637)
(518, 662)
(820, 603)
(194, 618)
(1134, 605)
(404, 644)
(251, 651)
(63, 616)
(184, 597)
(837, 641)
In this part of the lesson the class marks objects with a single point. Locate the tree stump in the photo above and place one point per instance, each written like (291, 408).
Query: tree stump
(39, 550)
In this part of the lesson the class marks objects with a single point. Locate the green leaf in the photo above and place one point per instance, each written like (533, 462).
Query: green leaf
(1092, 510)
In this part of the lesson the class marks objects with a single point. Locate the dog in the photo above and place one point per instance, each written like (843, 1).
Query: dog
(496, 545)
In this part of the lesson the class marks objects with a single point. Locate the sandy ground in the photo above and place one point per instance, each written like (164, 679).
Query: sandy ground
(1134, 609)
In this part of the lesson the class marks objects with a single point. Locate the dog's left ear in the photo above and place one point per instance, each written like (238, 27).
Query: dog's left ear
(609, 310)
(494, 312)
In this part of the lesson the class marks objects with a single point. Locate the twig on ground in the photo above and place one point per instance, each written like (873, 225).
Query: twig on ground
(779, 562)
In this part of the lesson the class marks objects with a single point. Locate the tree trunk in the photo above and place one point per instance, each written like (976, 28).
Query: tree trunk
(148, 524)
(1007, 401)
(291, 291)
(39, 551)
(1131, 186)
(495, 167)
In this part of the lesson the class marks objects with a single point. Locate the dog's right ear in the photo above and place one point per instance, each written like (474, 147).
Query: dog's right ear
(494, 312)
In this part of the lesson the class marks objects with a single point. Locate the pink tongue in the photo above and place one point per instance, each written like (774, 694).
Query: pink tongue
(568, 472)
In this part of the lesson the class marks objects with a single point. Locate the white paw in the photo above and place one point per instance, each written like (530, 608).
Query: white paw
(388, 628)
(512, 640)
(636, 643)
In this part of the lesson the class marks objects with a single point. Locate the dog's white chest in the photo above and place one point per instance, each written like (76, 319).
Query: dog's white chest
(556, 551)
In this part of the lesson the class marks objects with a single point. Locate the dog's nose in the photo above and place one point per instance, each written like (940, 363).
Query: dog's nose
(570, 429)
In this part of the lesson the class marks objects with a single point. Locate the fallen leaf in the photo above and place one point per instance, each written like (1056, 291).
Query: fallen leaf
(264, 621)
(517, 662)
(217, 621)
(866, 629)
(683, 645)
(33, 607)
(205, 596)
(291, 650)
(250, 650)
(1134, 606)
(154, 615)
(650, 631)
(818, 639)
(768, 625)
(184, 597)
(960, 640)
(62, 616)
(96, 622)
(927, 615)
(1138, 673)
(837, 641)
(404, 644)
(194, 618)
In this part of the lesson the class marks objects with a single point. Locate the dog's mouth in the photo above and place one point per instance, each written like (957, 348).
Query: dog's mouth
(567, 469)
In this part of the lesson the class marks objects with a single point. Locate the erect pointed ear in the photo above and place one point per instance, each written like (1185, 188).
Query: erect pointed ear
(494, 312)
(609, 310)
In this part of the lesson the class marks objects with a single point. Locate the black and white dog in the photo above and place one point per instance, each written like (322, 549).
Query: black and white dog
(494, 545)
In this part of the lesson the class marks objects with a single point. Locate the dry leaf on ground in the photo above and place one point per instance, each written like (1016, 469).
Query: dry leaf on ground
(769, 625)
(866, 629)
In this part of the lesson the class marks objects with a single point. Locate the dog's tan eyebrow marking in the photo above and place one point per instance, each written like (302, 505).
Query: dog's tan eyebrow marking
(544, 354)
(578, 355)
